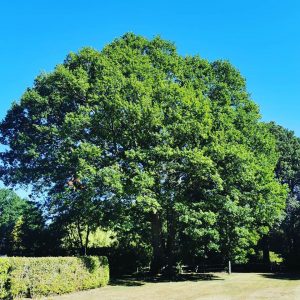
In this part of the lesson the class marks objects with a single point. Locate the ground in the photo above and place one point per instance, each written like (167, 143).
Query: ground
(218, 286)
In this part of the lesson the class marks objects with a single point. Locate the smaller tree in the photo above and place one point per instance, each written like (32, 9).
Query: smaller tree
(285, 237)
(16, 237)
(22, 225)
(33, 231)
(11, 211)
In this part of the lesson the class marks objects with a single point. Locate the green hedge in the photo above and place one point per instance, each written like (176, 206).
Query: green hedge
(33, 277)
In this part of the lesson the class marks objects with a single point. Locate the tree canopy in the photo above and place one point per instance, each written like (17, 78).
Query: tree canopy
(165, 150)
(285, 237)
(21, 225)
(11, 210)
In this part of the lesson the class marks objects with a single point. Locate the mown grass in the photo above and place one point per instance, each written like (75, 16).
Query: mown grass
(218, 286)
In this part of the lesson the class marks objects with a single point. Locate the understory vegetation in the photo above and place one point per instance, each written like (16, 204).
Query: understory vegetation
(151, 158)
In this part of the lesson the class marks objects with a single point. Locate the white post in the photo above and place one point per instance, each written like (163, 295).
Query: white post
(229, 267)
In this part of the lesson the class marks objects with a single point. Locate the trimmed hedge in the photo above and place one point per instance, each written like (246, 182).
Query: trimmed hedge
(33, 277)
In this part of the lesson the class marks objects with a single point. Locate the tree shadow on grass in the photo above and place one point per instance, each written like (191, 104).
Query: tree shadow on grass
(125, 281)
(282, 276)
(140, 280)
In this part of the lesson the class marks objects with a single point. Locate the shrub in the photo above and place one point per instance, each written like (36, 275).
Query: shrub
(33, 277)
(4, 269)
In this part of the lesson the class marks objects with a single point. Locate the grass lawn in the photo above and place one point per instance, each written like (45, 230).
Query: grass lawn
(217, 286)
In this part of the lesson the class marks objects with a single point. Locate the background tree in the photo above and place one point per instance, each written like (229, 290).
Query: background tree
(164, 149)
(21, 225)
(11, 210)
(31, 232)
(285, 238)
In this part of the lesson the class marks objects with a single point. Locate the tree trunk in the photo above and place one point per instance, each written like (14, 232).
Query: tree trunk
(266, 250)
(80, 236)
(170, 243)
(158, 257)
(86, 240)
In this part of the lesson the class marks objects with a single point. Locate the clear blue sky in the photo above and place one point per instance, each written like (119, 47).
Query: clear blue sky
(261, 38)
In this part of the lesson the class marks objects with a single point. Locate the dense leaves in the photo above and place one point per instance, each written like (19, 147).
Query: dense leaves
(166, 150)
(11, 210)
(46, 276)
(285, 237)
(22, 225)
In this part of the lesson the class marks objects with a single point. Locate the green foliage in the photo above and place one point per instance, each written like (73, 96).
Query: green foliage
(22, 225)
(164, 149)
(275, 258)
(4, 275)
(12, 208)
(33, 277)
(285, 237)
(16, 237)
(96, 238)
(288, 147)
(101, 238)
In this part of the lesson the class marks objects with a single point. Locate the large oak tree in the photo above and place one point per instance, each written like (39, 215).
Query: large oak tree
(167, 150)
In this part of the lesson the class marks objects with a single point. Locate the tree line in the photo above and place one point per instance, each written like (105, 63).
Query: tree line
(160, 156)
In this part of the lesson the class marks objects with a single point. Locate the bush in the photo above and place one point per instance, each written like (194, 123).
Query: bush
(4, 269)
(33, 277)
